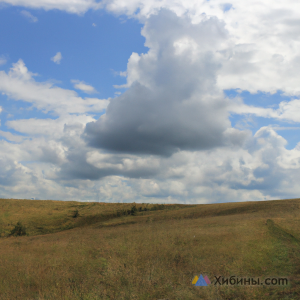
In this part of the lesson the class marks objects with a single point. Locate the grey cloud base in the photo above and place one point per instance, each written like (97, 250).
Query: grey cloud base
(140, 123)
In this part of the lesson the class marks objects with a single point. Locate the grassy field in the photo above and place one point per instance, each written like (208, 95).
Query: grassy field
(75, 250)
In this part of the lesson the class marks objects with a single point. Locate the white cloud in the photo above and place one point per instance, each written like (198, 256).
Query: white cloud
(19, 84)
(81, 85)
(286, 111)
(261, 51)
(29, 16)
(50, 128)
(11, 137)
(57, 58)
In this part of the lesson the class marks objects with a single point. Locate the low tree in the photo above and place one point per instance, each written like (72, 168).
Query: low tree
(19, 230)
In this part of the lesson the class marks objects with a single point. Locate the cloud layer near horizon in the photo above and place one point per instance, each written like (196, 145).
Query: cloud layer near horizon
(168, 137)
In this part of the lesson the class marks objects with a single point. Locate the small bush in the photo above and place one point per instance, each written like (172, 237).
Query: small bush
(18, 230)
(133, 210)
(154, 207)
(75, 213)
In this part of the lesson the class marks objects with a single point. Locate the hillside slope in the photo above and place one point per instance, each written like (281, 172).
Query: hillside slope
(76, 250)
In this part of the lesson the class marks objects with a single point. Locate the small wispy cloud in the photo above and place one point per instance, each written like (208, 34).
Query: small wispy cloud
(94, 24)
(80, 85)
(57, 58)
(3, 60)
(29, 16)
(119, 73)
(123, 74)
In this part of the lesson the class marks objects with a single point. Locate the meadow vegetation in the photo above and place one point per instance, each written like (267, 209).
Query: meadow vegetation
(75, 250)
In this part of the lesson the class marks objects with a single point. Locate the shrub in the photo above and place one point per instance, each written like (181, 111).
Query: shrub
(133, 210)
(18, 230)
(154, 207)
(75, 213)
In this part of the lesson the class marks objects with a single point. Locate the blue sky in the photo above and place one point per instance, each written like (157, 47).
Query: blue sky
(95, 48)
(149, 101)
(287, 129)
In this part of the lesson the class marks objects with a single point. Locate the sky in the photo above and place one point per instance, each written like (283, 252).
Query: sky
(151, 101)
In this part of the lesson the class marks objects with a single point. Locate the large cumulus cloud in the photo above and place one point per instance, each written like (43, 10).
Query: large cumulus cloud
(172, 102)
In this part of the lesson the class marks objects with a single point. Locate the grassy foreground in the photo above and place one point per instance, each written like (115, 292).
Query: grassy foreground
(87, 251)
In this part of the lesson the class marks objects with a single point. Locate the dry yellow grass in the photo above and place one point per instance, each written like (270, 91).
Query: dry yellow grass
(152, 255)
